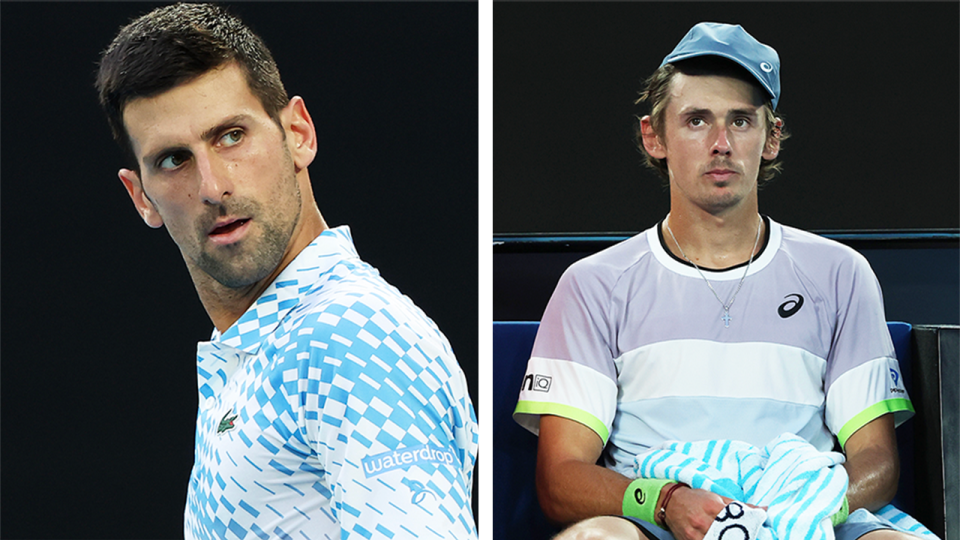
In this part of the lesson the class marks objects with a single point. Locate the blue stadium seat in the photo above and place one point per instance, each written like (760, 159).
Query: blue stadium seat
(517, 513)
(900, 333)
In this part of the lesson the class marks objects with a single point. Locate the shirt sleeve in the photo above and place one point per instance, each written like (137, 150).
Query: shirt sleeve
(863, 380)
(386, 409)
(571, 371)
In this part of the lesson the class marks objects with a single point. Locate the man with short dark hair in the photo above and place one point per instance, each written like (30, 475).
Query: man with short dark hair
(330, 405)
(716, 325)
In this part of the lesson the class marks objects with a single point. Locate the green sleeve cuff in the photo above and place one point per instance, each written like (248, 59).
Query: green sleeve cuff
(565, 411)
(640, 498)
(842, 514)
(870, 413)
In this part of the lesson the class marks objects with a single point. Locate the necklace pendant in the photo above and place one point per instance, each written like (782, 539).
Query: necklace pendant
(726, 318)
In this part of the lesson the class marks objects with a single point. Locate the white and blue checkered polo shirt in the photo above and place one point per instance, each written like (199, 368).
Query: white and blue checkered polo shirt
(333, 408)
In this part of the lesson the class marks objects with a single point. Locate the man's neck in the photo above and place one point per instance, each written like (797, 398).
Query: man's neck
(224, 305)
(714, 241)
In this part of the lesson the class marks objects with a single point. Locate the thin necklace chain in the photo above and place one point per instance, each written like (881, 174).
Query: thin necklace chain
(726, 306)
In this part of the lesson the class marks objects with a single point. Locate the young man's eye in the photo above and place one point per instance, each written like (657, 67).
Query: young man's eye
(171, 162)
(695, 122)
(232, 137)
(741, 122)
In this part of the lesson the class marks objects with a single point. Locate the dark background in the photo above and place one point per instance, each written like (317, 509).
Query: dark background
(100, 318)
(870, 93)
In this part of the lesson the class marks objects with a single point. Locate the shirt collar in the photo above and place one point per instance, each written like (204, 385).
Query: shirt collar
(265, 314)
(220, 357)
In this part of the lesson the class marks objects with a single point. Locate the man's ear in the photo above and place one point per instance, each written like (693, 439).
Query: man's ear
(301, 134)
(144, 206)
(772, 147)
(651, 141)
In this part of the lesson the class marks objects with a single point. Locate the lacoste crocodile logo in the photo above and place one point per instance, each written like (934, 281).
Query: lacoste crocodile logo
(226, 423)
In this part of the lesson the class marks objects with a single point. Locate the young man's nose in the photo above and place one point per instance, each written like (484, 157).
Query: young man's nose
(215, 181)
(721, 144)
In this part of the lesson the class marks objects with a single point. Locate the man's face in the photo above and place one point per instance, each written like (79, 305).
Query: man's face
(714, 136)
(215, 169)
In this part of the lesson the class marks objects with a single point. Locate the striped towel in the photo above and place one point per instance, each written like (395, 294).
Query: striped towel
(800, 485)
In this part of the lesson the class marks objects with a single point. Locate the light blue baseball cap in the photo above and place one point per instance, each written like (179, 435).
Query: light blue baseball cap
(732, 42)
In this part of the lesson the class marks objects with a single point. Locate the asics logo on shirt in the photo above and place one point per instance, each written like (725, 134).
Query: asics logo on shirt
(226, 423)
(791, 306)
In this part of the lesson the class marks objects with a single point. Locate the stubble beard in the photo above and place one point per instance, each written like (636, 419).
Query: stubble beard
(254, 258)
(719, 203)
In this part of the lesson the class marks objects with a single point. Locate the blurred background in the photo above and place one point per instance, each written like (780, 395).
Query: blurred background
(869, 91)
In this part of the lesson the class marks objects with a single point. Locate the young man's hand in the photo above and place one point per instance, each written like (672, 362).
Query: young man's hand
(691, 512)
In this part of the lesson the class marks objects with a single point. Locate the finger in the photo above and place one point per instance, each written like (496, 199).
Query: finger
(728, 500)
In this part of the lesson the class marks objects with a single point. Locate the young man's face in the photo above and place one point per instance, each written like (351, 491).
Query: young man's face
(216, 170)
(714, 136)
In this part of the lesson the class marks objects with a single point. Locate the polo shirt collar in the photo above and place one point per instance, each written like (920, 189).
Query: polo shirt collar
(218, 358)
(263, 316)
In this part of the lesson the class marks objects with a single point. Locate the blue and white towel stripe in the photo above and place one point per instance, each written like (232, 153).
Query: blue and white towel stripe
(800, 485)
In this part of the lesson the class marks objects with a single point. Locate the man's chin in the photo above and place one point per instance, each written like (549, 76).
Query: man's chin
(245, 263)
(233, 273)
(722, 203)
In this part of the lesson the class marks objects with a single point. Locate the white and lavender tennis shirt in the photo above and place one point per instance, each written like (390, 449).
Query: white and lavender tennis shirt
(632, 345)
(333, 408)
